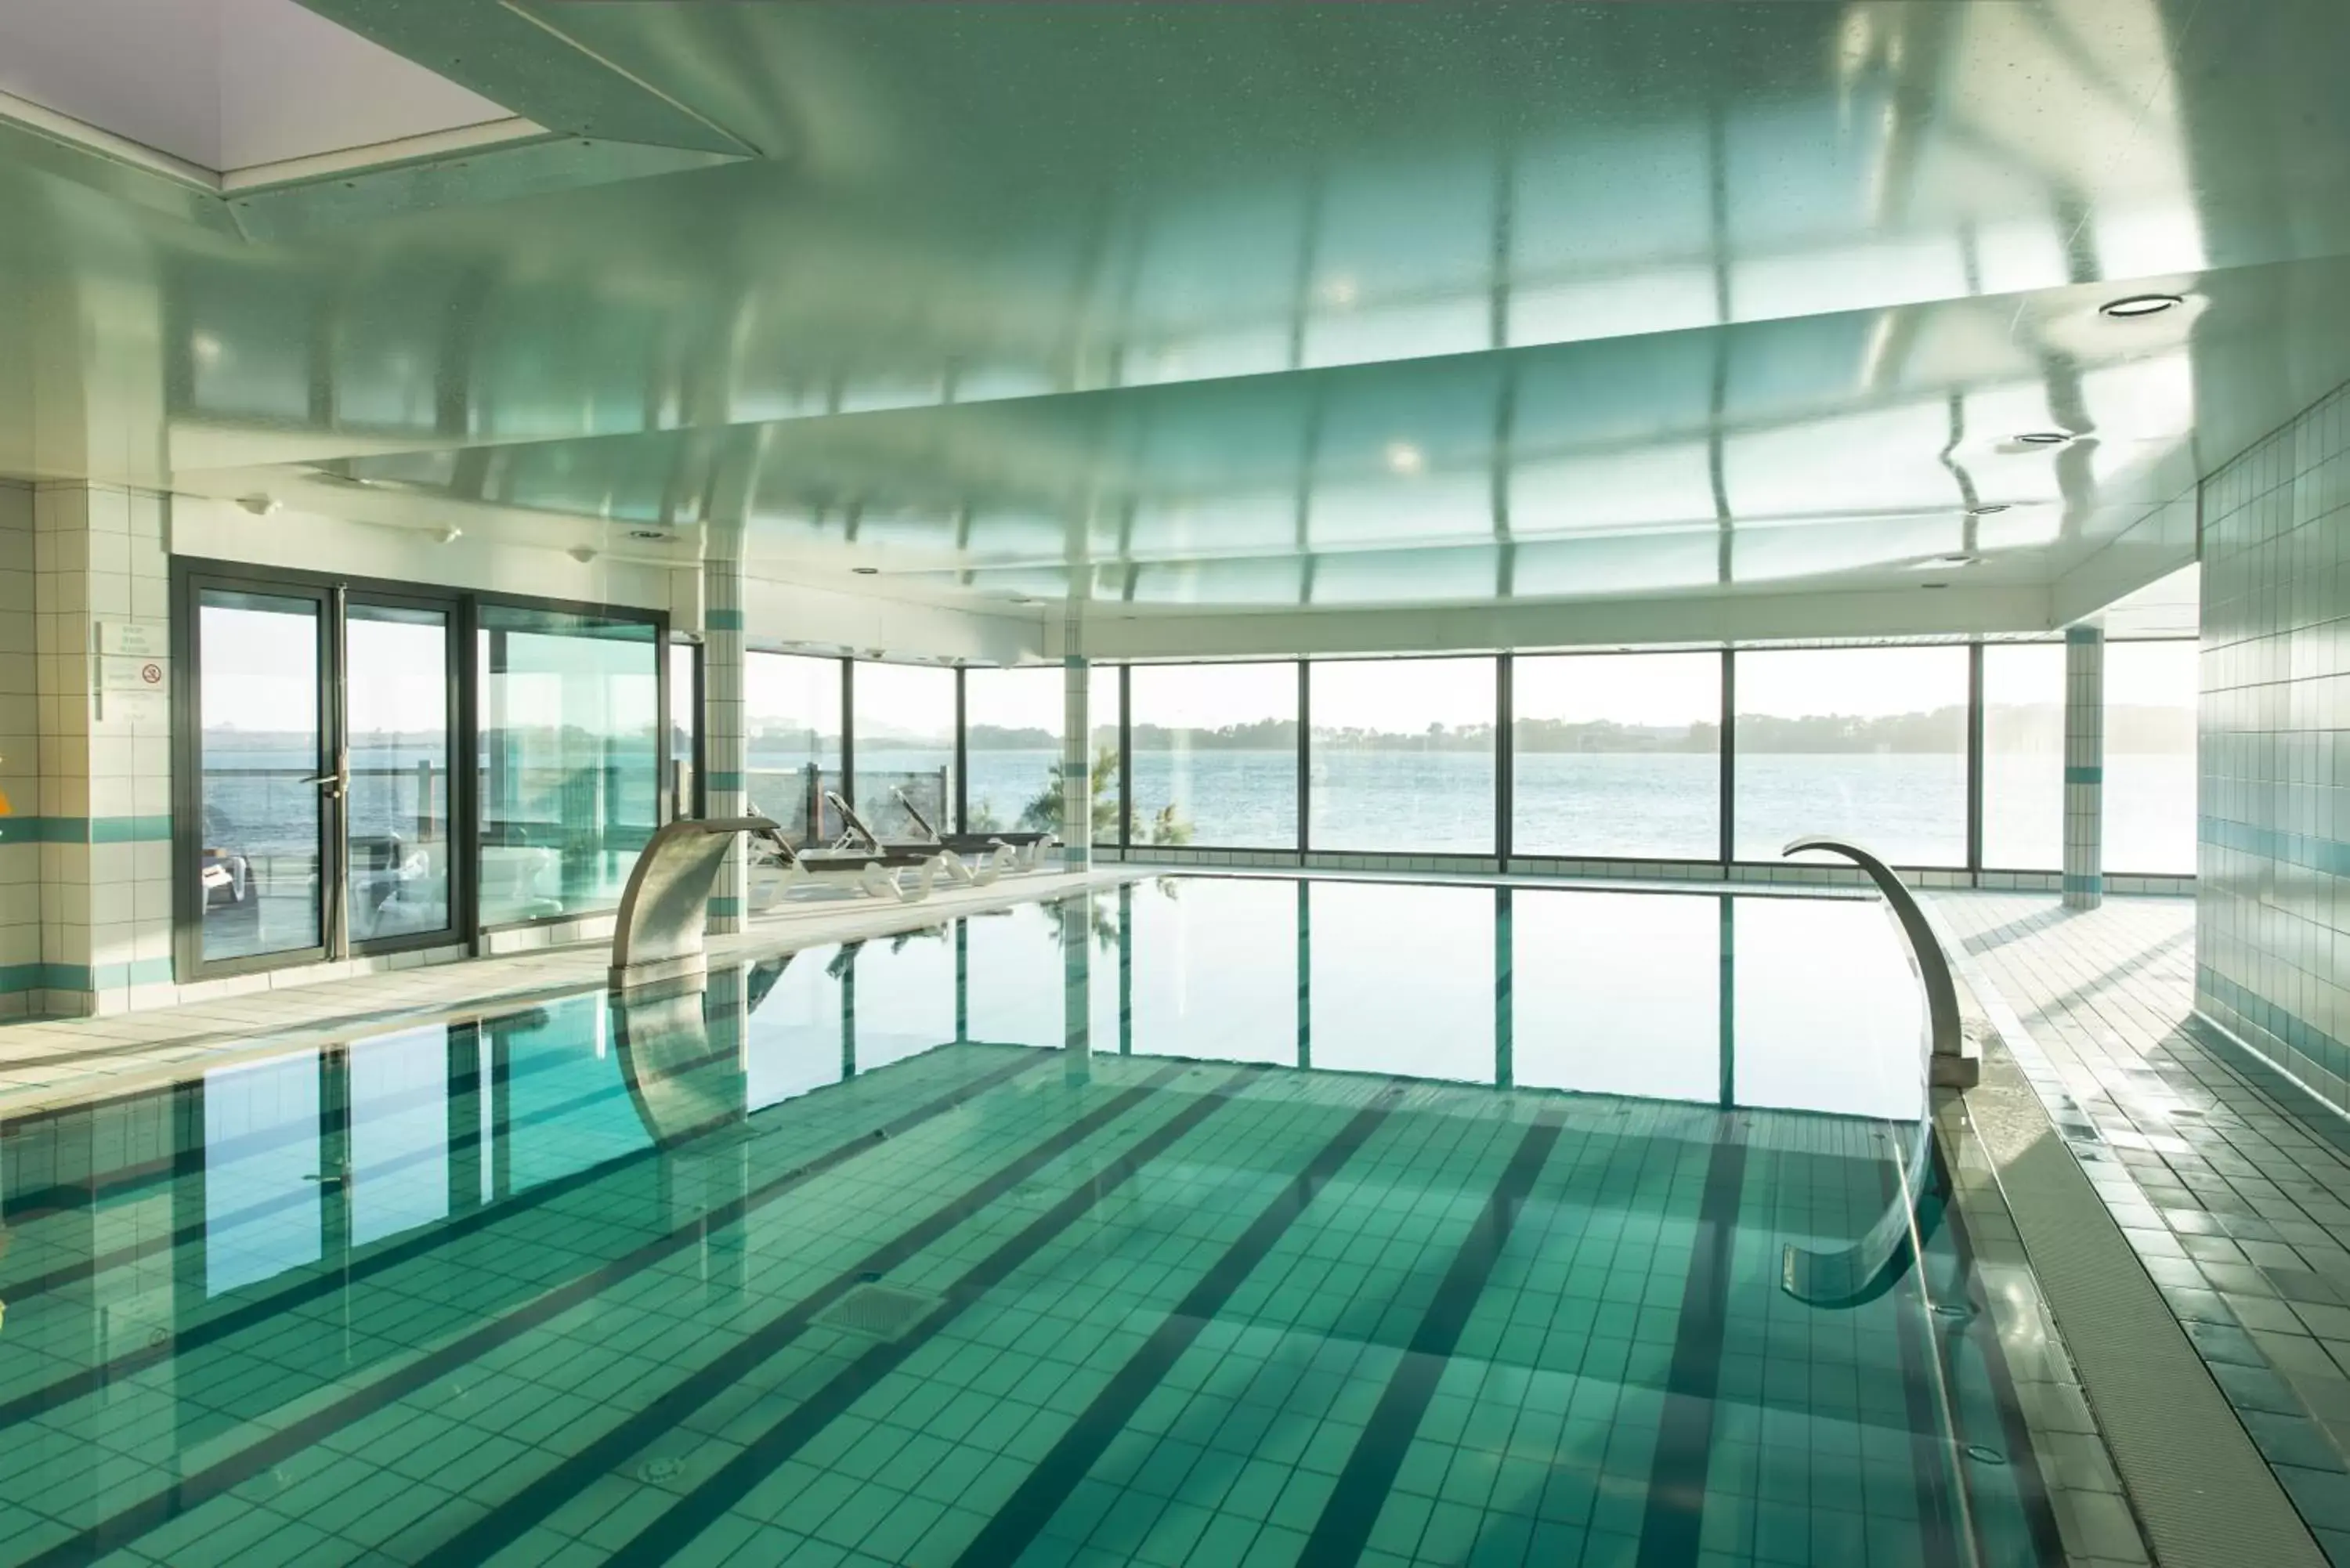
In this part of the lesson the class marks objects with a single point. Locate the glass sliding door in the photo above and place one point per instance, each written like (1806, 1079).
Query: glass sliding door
(570, 759)
(265, 776)
(398, 693)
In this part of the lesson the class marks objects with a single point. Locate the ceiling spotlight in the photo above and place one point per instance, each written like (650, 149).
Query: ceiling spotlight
(648, 534)
(865, 571)
(581, 554)
(260, 506)
(450, 534)
(1405, 458)
(1987, 510)
(2138, 305)
(1933, 585)
(2045, 438)
(1954, 560)
(1022, 600)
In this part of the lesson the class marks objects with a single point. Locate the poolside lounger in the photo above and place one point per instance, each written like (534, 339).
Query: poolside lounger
(1025, 848)
(984, 864)
(904, 876)
(1005, 850)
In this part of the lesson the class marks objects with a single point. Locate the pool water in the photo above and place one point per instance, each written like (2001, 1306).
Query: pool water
(1211, 1222)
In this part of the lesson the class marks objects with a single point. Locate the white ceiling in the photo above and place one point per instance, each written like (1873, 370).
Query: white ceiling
(225, 85)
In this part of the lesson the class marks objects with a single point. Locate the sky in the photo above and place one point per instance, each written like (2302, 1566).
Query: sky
(258, 676)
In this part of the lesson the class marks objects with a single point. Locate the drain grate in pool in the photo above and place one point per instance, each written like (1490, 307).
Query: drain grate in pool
(884, 1312)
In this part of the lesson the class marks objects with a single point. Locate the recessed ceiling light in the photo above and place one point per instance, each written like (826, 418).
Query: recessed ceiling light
(647, 534)
(1954, 560)
(1405, 458)
(1339, 290)
(1933, 585)
(2045, 438)
(1986, 511)
(2138, 305)
(865, 571)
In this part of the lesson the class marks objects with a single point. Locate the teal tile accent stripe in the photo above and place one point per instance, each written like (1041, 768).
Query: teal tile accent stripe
(723, 780)
(726, 904)
(2313, 1047)
(2092, 883)
(2084, 775)
(2083, 634)
(20, 977)
(85, 829)
(2330, 855)
(723, 620)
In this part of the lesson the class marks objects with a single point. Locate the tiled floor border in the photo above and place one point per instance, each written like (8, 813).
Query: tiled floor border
(2200, 1490)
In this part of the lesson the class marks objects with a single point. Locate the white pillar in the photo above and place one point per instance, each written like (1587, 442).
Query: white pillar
(723, 751)
(2085, 767)
(1077, 826)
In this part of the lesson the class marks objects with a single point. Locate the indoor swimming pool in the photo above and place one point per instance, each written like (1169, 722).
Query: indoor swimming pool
(1198, 1220)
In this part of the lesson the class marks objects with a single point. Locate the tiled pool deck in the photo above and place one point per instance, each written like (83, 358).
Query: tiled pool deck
(2231, 1184)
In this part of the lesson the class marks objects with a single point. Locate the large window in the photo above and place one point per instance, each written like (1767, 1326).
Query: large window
(903, 726)
(791, 741)
(1402, 755)
(1012, 746)
(1617, 755)
(1215, 755)
(570, 759)
(1104, 685)
(1868, 743)
(2023, 757)
(685, 730)
(2150, 698)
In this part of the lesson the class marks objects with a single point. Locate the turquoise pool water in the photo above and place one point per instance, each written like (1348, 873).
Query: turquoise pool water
(1212, 1221)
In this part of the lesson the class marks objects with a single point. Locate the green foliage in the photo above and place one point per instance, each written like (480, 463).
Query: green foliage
(1044, 813)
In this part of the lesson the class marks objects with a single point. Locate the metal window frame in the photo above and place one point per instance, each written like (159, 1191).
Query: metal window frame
(334, 590)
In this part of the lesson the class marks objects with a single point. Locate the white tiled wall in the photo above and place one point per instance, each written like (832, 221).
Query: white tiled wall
(104, 811)
(20, 760)
(2273, 927)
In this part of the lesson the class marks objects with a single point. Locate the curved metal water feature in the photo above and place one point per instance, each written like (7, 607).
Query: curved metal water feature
(665, 912)
(1870, 1266)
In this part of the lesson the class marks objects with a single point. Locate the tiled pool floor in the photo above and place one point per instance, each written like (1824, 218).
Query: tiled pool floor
(814, 1269)
(996, 1304)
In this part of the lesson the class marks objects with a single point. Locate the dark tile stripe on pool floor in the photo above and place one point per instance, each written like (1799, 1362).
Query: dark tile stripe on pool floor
(1009, 1532)
(332, 1281)
(1677, 1483)
(1345, 1525)
(193, 1491)
(133, 1252)
(659, 1541)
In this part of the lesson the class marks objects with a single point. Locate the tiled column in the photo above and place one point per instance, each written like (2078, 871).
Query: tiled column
(1076, 826)
(722, 723)
(101, 575)
(20, 762)
(2085, 767)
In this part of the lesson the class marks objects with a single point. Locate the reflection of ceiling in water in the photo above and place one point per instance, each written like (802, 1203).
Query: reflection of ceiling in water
(1248, 306)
